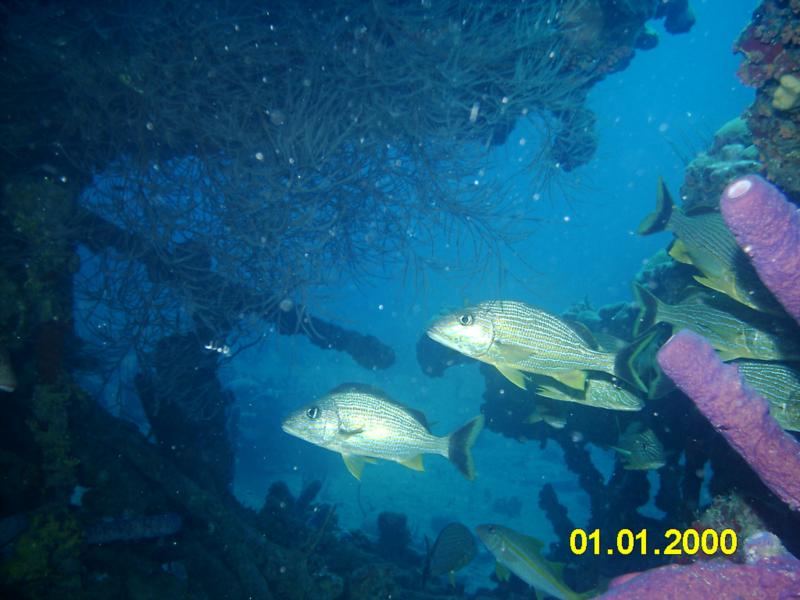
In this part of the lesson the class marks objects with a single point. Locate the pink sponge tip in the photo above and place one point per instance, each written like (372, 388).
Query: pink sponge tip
(767, 227)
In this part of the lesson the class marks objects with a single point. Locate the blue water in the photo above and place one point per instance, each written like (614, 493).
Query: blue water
(675, 96)
(181, 257)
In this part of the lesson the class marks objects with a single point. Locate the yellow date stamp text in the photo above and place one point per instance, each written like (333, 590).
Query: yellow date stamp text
(677, 543)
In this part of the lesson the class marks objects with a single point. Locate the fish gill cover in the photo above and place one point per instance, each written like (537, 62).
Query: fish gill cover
(183, 182)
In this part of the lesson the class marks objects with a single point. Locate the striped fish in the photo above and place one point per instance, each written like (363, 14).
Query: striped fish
(453, 550)
(522, 556)
(705, 242)
(362, 424)
(600, 393)
(780, 386)
(640, 449)
(517, 338)
(731, 336)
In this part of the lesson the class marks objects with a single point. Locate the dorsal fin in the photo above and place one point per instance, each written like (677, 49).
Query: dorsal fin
(362, 388)
(583, 332)
(419, 416)
(609, 342)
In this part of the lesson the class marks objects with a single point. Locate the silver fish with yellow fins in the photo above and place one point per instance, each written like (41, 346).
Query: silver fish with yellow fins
(705, 242)
(522, 555)
(363, 424)
(730, 335)
(517, 338)
(599, 393)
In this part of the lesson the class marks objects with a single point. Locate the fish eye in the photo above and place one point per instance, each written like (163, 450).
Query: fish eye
(466, 320)
(313, 412)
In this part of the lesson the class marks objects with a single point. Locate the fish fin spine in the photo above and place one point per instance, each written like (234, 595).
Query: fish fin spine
(460, 443)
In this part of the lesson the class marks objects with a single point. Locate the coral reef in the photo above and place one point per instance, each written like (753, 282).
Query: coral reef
(770, 572)
(49, 550)
(188, 410)
(394, 537)
(134, 528)
(730, 511)
(732, 154)
(771, 47)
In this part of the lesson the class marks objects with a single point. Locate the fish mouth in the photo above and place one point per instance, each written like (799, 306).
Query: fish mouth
(287, 429)
(436, 334)
(439, 334)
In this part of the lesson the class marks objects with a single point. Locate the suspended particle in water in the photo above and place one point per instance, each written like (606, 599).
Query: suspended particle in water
(277, 118)
(473, 112)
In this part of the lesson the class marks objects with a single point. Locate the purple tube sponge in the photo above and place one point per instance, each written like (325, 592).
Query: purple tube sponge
(773, 574)
(767, 227)
(736, 411)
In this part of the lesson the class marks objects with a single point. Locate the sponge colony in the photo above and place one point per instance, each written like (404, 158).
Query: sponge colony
(787, 95)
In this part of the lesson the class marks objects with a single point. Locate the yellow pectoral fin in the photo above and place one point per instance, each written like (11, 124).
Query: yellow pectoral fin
(512, 354)
(573, 379)
(549, 391)
(728, 288)
(513, 375)
(415, 462)
(721, 286)
(679, 253)
(502, 572)
(354, 464)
